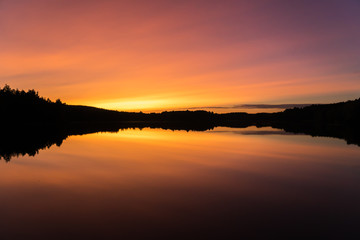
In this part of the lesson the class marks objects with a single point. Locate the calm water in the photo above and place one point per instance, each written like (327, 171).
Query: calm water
(152, 183)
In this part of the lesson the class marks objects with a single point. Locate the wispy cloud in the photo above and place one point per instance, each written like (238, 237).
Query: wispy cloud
(255, 106)
(266, 106)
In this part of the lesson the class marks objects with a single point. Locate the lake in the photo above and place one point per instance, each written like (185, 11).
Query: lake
(224, 183)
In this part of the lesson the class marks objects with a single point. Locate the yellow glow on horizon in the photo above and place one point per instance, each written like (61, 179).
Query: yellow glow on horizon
(139, 104)
(132, 105)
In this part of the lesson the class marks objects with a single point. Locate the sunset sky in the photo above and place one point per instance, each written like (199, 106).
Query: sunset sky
(168, 55)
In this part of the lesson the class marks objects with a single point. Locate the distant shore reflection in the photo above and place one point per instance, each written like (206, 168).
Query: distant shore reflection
(28, 141)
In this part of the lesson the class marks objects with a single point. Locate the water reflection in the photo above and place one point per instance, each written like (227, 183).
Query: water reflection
(28, 141)
(153, 183)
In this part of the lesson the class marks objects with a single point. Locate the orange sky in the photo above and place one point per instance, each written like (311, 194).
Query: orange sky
(168, 55)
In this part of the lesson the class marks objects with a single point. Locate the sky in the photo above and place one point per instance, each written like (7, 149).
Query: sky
(141, 55)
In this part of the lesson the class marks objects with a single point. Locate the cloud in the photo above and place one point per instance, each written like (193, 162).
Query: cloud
(266, 106)
(255, 106)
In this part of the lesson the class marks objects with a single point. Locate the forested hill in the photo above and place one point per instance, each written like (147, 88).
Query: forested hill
(337, 113)
(27, 107)
(343, 113)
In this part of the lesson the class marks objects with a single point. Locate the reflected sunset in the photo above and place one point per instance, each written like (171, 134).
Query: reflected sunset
(166, 180)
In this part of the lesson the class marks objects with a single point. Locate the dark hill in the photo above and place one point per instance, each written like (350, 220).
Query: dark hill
(20, 107)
